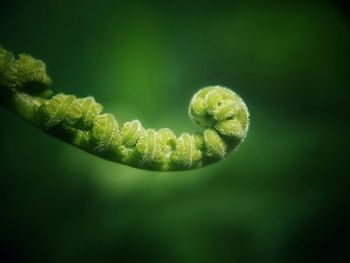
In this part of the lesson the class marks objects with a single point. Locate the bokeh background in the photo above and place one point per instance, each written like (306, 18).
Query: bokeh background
(282, 197)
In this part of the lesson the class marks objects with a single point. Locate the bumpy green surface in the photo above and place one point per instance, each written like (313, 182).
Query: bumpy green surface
(24, 89)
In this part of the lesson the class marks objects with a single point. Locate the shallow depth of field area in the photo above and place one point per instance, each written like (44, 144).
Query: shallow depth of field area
(281, 197)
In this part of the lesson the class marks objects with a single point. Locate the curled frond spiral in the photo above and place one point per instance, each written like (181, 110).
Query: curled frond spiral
(24, 89)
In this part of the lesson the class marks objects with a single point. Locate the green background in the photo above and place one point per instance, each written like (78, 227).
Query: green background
(282, 197)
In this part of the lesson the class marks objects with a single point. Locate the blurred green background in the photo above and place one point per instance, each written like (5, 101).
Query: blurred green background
(282, 197)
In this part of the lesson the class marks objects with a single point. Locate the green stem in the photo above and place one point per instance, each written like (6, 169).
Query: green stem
(24, 90)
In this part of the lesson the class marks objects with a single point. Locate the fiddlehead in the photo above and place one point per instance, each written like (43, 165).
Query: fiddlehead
(24, 89)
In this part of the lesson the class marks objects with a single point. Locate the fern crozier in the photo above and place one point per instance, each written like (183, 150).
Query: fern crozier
(24, 89)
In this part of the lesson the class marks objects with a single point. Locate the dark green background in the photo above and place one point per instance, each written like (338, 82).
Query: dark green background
(282, 197)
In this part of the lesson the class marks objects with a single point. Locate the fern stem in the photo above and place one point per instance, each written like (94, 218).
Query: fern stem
(24, 90)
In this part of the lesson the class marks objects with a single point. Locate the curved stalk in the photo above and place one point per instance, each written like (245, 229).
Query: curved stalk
(24, 89)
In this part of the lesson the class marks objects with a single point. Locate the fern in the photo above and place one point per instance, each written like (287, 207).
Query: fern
(24, 89)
